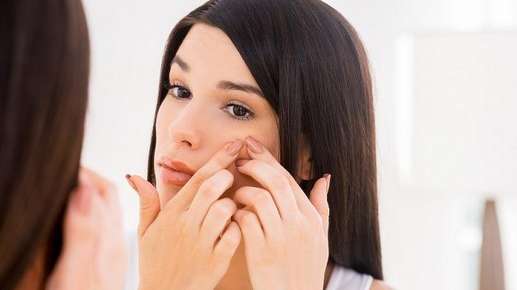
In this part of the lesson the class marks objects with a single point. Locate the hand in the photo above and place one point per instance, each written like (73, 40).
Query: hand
(95, 253)
(185, 244)
(285, 234)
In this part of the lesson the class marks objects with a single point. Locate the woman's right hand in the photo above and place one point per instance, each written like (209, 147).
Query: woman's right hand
(189, 243)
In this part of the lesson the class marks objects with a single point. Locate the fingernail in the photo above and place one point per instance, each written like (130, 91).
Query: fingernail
(241, 162)
(254, 145)
(131, 183)
(234, 147)
(327, 177)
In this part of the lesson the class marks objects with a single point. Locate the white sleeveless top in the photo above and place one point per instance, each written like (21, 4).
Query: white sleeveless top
(347, 279)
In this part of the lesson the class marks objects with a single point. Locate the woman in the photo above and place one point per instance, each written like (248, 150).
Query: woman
(60, 227)
(291, 79)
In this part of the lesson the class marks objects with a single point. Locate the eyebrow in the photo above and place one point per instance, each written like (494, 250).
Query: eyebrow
(223, 85)
(227, 85)
(183, 65)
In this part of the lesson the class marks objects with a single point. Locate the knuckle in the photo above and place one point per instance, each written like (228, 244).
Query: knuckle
(231, 241)
(295, 221)
(216, 182)
(211, 167)
(250, 163)
(242, 191)
(261, 199)
(219, 162)
(247, 218)
(184, 227)
(210, 187)
(200, 176)
(223, 208)
(225, 173)
(278, 182)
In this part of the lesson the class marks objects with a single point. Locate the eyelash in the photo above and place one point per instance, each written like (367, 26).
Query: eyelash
(170, 87)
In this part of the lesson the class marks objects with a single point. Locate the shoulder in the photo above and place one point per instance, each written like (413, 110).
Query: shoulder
(346, 278)
(379, 285)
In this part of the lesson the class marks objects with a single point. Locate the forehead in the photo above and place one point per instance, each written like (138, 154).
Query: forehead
(210, 53)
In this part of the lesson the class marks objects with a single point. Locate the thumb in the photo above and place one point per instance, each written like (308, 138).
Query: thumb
(149, 201)
(318, 198)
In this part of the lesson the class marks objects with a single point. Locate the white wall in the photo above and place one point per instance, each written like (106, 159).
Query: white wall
(460, 147)
(127, 39)
(429, 219)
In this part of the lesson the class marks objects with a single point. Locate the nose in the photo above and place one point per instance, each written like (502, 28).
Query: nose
(184, 129)
(186, 139)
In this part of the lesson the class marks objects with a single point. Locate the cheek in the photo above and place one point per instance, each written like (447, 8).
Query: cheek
(270, 138)
(274, 148)
(163, 118)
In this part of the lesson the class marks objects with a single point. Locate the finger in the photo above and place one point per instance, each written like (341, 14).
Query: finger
(221, 160)
(111, 212)
(81, 217)
(274, 182)
(318, 198)
(250, 228)
(148, 199)
(218, 216)
(208, 193)
(107, 190)
(258, 151)
(262, 202)
(102, 184)
(83, 224)
(229, 242)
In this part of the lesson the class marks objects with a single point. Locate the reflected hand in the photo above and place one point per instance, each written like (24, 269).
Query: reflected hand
(95, 253)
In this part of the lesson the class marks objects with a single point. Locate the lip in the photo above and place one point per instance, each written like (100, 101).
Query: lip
(174, 171)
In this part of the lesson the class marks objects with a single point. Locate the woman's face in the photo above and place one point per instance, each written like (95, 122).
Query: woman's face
(213, 99)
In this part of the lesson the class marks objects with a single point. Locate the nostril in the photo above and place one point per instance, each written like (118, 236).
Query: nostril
(185, 137)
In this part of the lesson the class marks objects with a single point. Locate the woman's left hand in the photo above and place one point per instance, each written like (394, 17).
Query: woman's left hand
(95, 252)
(285, 233)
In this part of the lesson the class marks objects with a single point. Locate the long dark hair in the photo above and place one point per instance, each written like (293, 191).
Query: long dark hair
(310, 64)
(44, 61)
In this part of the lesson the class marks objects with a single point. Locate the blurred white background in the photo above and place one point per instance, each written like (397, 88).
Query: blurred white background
(446, 102)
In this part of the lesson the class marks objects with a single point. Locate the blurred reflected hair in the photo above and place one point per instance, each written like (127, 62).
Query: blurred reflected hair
(313, 70)
(44, 68)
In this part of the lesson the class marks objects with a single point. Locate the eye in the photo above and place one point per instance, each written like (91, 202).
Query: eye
(177, 91)
(239, 111)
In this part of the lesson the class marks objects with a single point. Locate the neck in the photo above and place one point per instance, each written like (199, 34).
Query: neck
(236, 277)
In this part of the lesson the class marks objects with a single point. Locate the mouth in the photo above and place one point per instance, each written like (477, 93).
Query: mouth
(174, 171)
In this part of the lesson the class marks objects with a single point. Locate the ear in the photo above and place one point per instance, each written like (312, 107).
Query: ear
(304, 160)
